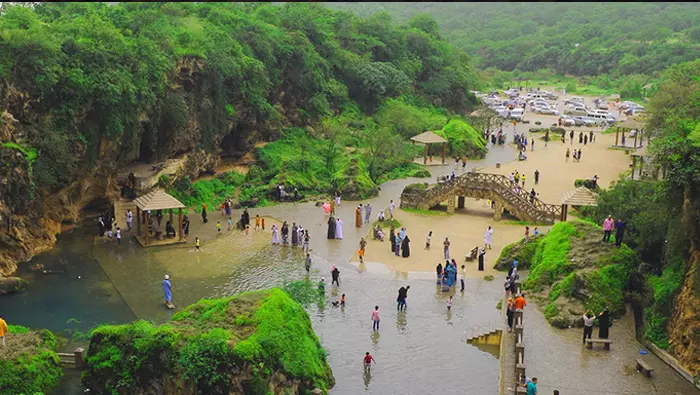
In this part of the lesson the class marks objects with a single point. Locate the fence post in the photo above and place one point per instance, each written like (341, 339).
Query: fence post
(79, 360)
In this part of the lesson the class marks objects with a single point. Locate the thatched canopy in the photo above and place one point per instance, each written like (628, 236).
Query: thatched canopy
(157, 200)
(580, 196)
(631, 123)
(428, 138)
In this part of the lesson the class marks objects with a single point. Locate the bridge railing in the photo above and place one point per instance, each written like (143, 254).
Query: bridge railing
(492, 181)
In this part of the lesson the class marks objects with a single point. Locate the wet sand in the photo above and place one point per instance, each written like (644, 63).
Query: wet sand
(465, 230)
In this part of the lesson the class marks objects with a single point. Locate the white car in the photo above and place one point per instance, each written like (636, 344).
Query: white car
(516, 113)
(567, 121)
(547, 111)
(574, 100)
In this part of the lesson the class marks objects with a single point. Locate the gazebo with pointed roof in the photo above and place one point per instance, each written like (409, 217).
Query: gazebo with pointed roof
(428, 138)
(580, 196)
(156, 201)
(630, 124)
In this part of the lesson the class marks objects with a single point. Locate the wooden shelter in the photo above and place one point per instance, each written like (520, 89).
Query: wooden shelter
(428, 138)
(630, 124)
(580, 196)
(639, 153)
(155, 201)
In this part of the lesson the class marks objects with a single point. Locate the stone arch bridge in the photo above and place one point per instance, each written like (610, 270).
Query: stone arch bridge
(496, 187)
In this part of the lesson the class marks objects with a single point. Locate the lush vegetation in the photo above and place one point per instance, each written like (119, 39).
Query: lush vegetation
(568, 38)
(662, 216)
(338, 95)
(29, 363)
(521, 251)
(208, 344)
(567, 276)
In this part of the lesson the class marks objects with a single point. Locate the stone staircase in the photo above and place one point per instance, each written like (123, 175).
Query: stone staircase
(496, 187)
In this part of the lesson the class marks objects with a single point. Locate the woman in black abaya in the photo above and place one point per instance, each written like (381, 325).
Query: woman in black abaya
(331, 228)
(405, 251)
(604, 322)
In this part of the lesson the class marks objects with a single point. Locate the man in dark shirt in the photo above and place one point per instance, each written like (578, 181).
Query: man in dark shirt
(619, 231)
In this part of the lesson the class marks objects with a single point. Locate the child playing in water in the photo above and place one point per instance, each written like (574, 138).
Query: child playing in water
(449, 303)
(361, 254)
(247, 229)
(461, 280)
(262, 220)
(229, 224)
(342, 300)
(257, 222)
(218, 226)
(196, 243)
(368, 361)
(427, 240)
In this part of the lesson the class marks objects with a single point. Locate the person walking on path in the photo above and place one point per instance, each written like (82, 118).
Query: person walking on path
(427, 240)
(119, 236)
(275, 235)
(335, 275)
(397, 239)
(204, 213)
(168, 292)
(3, 330)
(392, 206)
(537, 176)
(532, 147)
(307, 265)
(488, 238)
(446, 248)
(604, 323)
(482, 252)
(531, 387)
(619, 231)
(449, 303)
(461, 279)
(368, 361)
(339, 229)
(571, 137)
(375, 318)
(307, 238)
(568, 154)
(358, 216)
(608, 226)
(579, 154)
(587, 325)
(510, 309)
(405, 249)
(368, 213)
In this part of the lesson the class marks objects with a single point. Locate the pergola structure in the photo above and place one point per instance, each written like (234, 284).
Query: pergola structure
(580, 196)
(639, 153)
(630, 124)
(428, 138)
(154, 201)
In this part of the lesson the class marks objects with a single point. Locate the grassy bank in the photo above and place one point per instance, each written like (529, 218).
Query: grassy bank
(29, 363)
(213, 346)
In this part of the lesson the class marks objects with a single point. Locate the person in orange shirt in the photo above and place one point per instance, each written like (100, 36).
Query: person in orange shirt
(520, 302)
(3, 330)
(361, 254)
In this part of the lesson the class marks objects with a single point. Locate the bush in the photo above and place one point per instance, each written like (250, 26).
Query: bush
(463, 140)
(31, 364)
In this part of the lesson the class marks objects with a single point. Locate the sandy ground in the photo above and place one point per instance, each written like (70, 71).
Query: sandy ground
(465, 230)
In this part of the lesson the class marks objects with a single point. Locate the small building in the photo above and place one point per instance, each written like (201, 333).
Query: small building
(580, 196)
(428, 138)
(147, 209)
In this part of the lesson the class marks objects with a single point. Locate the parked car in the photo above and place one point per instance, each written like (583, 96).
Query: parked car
(574, 99)
(547, 111)
(516, 114)
(587, 121)
(578, 121)
(634, 111)
(567, 121)
(579, 110)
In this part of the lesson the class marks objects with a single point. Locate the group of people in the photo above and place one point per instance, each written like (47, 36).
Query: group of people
(577, 154)
(608, 225)
(447, 275)
(399, 242)
(299, 235)
(495, 137)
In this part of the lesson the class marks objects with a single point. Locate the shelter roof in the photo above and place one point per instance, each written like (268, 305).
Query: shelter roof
(428, 138)
(631, 123)
(580, 196)
(157, 200)
(641, 151)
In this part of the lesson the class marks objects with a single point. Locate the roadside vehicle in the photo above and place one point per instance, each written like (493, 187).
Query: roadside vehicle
(588, 121)
(516, 113)
(578, 121)
(634, 111)
(547, 111)
(568, 121)
(579, 110)
(574, 99)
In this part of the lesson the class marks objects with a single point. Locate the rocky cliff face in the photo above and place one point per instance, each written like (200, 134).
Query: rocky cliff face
(684, 326)
(32, 214)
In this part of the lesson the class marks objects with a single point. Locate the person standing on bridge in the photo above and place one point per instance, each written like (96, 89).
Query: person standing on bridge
(488, 238)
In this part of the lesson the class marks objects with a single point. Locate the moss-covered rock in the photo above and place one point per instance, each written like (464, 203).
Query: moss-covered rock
(354, 182)
(521, 251)
(29, 363)
(463, 140)
(572, 271)
(257, 342)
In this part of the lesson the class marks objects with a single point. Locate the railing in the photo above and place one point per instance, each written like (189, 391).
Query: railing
(74, 359)
(493, 182)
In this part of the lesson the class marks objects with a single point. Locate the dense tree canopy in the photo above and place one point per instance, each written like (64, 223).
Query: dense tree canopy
(138, 72)
(570, 38)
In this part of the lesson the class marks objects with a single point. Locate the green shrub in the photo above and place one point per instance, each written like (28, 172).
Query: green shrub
(551, 257)
(463, 140)
(31, 365)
